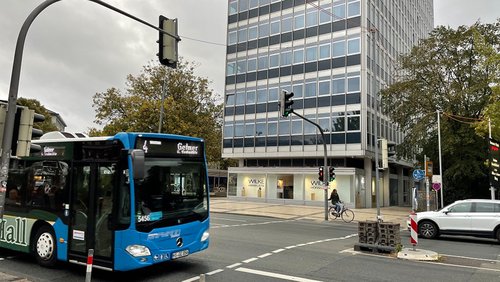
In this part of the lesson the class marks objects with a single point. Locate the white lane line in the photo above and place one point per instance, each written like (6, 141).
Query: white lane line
(264, 255)
(278, 251)
(275, 275)
(1, 259)
(192, 279)
(461, 266)
(234, 265)
(488, 260)
(250, 260)
(254, 224)
(290, 247)
(215, 271)
(228, 219)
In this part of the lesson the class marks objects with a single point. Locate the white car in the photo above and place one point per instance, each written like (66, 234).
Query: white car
(479, 218)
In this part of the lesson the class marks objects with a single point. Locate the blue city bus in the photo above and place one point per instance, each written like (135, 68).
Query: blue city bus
(136, 199)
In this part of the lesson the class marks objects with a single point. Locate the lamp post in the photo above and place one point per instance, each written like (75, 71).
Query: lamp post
(440, 160)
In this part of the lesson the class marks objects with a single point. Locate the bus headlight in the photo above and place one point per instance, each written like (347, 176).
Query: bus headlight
(138, 250)
(205, 236)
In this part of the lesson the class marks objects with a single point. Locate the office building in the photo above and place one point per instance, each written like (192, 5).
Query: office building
(334, 56)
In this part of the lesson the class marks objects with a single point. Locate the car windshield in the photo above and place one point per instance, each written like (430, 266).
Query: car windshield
(173, 192)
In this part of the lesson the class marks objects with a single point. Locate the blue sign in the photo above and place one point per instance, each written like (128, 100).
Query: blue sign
(418, 174)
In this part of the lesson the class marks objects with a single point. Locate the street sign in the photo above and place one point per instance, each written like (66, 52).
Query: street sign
(418, 174)
(428, 168)
(436, 186)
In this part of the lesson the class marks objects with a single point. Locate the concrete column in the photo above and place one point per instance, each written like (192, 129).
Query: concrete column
(400, 187)
(368, 184)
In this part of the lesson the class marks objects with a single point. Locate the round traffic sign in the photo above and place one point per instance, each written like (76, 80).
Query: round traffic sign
(436, 186)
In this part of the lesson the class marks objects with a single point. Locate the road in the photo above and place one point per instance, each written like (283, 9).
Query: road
(251, 248)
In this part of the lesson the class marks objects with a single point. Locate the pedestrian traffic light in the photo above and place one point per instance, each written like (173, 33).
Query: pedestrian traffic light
(24, 132)
(285, 103)
(331, 173)
(168, 42)
(320, 174)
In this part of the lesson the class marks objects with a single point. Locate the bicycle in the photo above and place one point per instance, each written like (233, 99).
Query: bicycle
(345, 213)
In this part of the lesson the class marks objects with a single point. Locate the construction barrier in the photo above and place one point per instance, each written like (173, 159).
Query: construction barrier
(413, 229)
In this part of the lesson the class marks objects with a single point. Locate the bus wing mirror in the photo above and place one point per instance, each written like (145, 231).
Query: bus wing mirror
(138, 163)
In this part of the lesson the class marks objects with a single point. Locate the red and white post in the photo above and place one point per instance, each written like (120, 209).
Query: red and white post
(90, 261)
(413, 229)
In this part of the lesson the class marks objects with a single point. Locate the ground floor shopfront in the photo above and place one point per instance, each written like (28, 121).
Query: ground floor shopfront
(300, 185)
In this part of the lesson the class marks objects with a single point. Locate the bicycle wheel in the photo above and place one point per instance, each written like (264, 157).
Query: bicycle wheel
(347, 215)
(332, 213)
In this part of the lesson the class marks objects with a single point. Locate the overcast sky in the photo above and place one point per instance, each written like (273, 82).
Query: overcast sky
(76, 48)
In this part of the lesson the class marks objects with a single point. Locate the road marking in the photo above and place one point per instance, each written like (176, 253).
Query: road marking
(264, 255)
(250, 260)
(488, 260)
(461, 266)
(275, 275)
(278, 251)
(254, 224)
(192, 279)
(234, 265)
(215, 271)
(228, 219)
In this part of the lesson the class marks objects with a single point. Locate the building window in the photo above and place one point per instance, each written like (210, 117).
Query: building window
(338, 122)
(230, 100)
(338, 86)
(252, 33)
(232, 38)
(262, 95)
(338, 48)
(353, 121)
(243, 5)
(353, 46)
(250, 129)
(274, 60)
(272, 128)
(298, 22)
(353, 9)
(242, 66)
(253, 3)
(233, 7)
(240, 98)
(275, 27)
(297, 90)
(238, 129)
(250, 97)
(310, 89)
(324, 88)
(273, 94)
(286, 58)
(264, 30)
(312, 18)
(286, 25)
(324, 123)
(284, 127)
(297, 126)
(311, 53)
(228, 130)
(242, 35)
(353, 84)
(325, 15)
(263, 62)
(231, 68)
(260, 129)
(338, 12)
(251, 65)
(298, 56)
(324, 51)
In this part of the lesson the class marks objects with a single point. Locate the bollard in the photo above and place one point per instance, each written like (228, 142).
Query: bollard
(90, 261)
(202, 277)
(413, 229)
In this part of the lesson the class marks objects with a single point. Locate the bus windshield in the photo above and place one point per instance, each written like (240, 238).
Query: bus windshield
(172, 192)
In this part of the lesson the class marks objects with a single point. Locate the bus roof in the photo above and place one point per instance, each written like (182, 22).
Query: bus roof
(57, 136)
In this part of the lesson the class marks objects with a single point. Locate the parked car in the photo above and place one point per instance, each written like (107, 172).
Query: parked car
(479, 218)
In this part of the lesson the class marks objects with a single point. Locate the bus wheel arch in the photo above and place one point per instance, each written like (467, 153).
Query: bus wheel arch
(44, 244)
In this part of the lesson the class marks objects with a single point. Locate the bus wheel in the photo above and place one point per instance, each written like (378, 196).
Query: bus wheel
(45, 246)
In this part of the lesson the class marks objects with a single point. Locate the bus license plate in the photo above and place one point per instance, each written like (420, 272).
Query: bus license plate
(180, 254)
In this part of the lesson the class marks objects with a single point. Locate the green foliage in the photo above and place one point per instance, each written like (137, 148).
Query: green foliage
(33, 104)
(190, 107)
(452, 71)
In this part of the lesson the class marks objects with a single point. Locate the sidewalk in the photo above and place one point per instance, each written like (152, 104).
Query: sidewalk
(316, 213)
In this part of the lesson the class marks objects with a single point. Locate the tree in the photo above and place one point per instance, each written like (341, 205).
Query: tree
(447, 72)
(190, 107)
(33, 104)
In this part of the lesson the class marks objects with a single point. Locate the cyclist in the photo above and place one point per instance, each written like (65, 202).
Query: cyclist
(334, 197)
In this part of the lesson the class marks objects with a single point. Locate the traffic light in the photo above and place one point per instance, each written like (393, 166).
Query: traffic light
(167, 43)
(331, 173)
(320, 174)
(388, 150)
(24, 132)
(285, 103)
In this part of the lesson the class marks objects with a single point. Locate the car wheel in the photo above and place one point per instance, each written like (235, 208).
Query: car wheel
(497, 235)
(45, 247)
(428, 229)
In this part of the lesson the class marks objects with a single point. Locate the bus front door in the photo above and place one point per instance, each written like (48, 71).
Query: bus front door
(91, 206)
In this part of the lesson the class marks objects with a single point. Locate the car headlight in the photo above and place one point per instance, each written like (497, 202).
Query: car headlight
(205, 236)
(138, 250)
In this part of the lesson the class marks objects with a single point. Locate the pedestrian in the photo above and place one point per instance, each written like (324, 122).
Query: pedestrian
(334, 197)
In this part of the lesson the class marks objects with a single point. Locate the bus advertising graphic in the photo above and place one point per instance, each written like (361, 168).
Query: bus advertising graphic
(136, 199)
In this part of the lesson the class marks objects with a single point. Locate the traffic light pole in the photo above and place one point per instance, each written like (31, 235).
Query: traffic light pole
(325, 165)
(14, 88)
